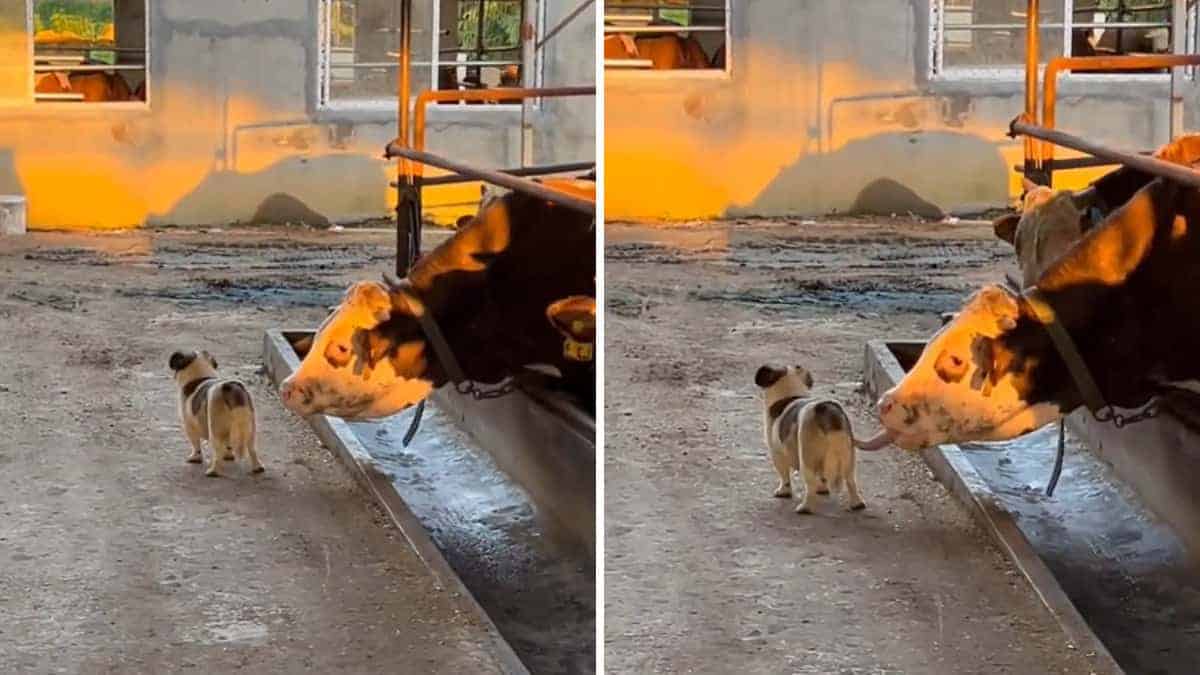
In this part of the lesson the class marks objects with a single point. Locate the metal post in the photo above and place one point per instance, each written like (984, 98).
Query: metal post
(1178, 46)
(408, 191)
(1033, 165)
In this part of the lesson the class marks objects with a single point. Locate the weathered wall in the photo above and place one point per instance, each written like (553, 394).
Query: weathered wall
(828, 108)
(233, 132)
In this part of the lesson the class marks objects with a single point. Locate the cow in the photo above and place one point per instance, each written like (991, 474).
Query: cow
(487, 289)
(1128, 294)
(95, 87)
(665, 52)
(1049, 222)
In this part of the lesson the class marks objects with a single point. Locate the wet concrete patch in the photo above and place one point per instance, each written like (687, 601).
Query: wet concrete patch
(1127, 573)
(268, 292)
(863, 295)
(538, 591)
(249, 256)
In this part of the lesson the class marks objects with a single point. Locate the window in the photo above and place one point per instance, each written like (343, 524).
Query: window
(666, 35)
(89, 51)
(456, 44)
(986, 38)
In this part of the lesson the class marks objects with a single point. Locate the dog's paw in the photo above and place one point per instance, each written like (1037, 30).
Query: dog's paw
(783, 491)
(803, 508)
(212, 473)
(258, 469)
(194, 459)
(229, 457)
(823, 490)
(857, 506)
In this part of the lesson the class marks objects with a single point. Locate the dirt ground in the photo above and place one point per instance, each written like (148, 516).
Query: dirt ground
(705, 571)
(115, 555)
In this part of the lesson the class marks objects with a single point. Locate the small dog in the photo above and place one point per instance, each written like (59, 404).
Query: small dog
(805, 434)
(214, 409)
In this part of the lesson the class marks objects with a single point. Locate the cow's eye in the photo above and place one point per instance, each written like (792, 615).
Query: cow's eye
(956, 361)
(343, 349)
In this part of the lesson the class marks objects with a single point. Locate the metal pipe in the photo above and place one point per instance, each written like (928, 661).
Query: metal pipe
(563, 24)
(497, 178)
(498, 94)
(1061, 63)
(1032, 161)
(544, 170)
(1179, 46)
(1151, 165)
(408, 226)
(1055, 24)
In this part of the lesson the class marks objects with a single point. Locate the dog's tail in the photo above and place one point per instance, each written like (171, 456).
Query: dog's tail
(234, 394)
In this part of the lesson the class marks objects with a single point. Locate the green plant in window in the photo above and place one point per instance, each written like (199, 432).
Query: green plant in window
(501, 24)
(87, 19)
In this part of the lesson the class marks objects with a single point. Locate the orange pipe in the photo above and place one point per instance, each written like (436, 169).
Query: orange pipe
(1075, 63)
(498, 94)
(1031, 64)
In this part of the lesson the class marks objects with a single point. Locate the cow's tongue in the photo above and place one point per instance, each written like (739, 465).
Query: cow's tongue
(876, 442)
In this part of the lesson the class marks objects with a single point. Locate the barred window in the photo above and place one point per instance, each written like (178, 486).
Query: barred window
(987, 37)
(666, 35)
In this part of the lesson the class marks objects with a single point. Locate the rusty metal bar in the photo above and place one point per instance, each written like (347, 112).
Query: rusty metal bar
(544, 170)
(408, 195)
(1099, 63)
(495, 177)
(1151, 165)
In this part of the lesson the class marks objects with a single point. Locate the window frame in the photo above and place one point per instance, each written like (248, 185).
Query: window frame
(532, 68)
(936, 71)
(634, 74)
(106, 106)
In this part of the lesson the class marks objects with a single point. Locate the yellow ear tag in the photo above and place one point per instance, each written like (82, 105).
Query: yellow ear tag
(577, 351)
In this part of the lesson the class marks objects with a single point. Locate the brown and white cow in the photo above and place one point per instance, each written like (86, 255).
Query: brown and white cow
(94, 87)
(488, 288)
(665, 52)
(1128, 293)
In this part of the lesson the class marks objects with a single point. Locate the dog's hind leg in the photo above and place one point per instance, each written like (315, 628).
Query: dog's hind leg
(812, 483)
(195, 439)
(784, 468)
(856, 502)
(220, 450)
(248, 444)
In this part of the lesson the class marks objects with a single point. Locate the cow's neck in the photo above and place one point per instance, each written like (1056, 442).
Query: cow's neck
(1126, 295)
(489, 286)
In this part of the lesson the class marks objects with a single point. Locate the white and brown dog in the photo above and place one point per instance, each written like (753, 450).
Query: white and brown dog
(214, 409)
(810, 435)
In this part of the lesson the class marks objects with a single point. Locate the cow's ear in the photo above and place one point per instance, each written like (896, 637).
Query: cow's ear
(373, 299)
(767, 376)
(575, 317)
(1085, 199)
(1005, 227)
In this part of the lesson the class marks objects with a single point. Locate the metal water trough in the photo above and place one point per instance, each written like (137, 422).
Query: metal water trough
(538, 451)
(1119, 579)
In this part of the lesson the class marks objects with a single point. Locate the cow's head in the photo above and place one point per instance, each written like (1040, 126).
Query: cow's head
(1046, 225)
(369, 359)
(972, 382)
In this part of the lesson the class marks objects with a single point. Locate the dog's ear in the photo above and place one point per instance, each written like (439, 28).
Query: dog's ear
(180, 360)
(209, 357)
(767, 376)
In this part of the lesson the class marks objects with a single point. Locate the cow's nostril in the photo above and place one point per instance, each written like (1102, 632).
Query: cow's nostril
(885, 405)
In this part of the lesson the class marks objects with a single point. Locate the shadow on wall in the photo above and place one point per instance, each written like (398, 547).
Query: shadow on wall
(293, 190)
(10, 182)
(889, 173)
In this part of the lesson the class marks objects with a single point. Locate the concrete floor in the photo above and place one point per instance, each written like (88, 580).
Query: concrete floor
(705, 571)
(115, 555)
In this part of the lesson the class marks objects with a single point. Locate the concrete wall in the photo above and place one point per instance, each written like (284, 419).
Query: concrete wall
(233, 130)
(828, 108)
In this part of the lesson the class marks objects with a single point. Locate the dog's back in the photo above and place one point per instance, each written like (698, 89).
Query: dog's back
(826, 444)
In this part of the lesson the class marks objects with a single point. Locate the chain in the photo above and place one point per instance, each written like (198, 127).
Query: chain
(1109, 414)
(469, 388)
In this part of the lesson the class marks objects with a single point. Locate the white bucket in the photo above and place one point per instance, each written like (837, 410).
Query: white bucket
(12, 214)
